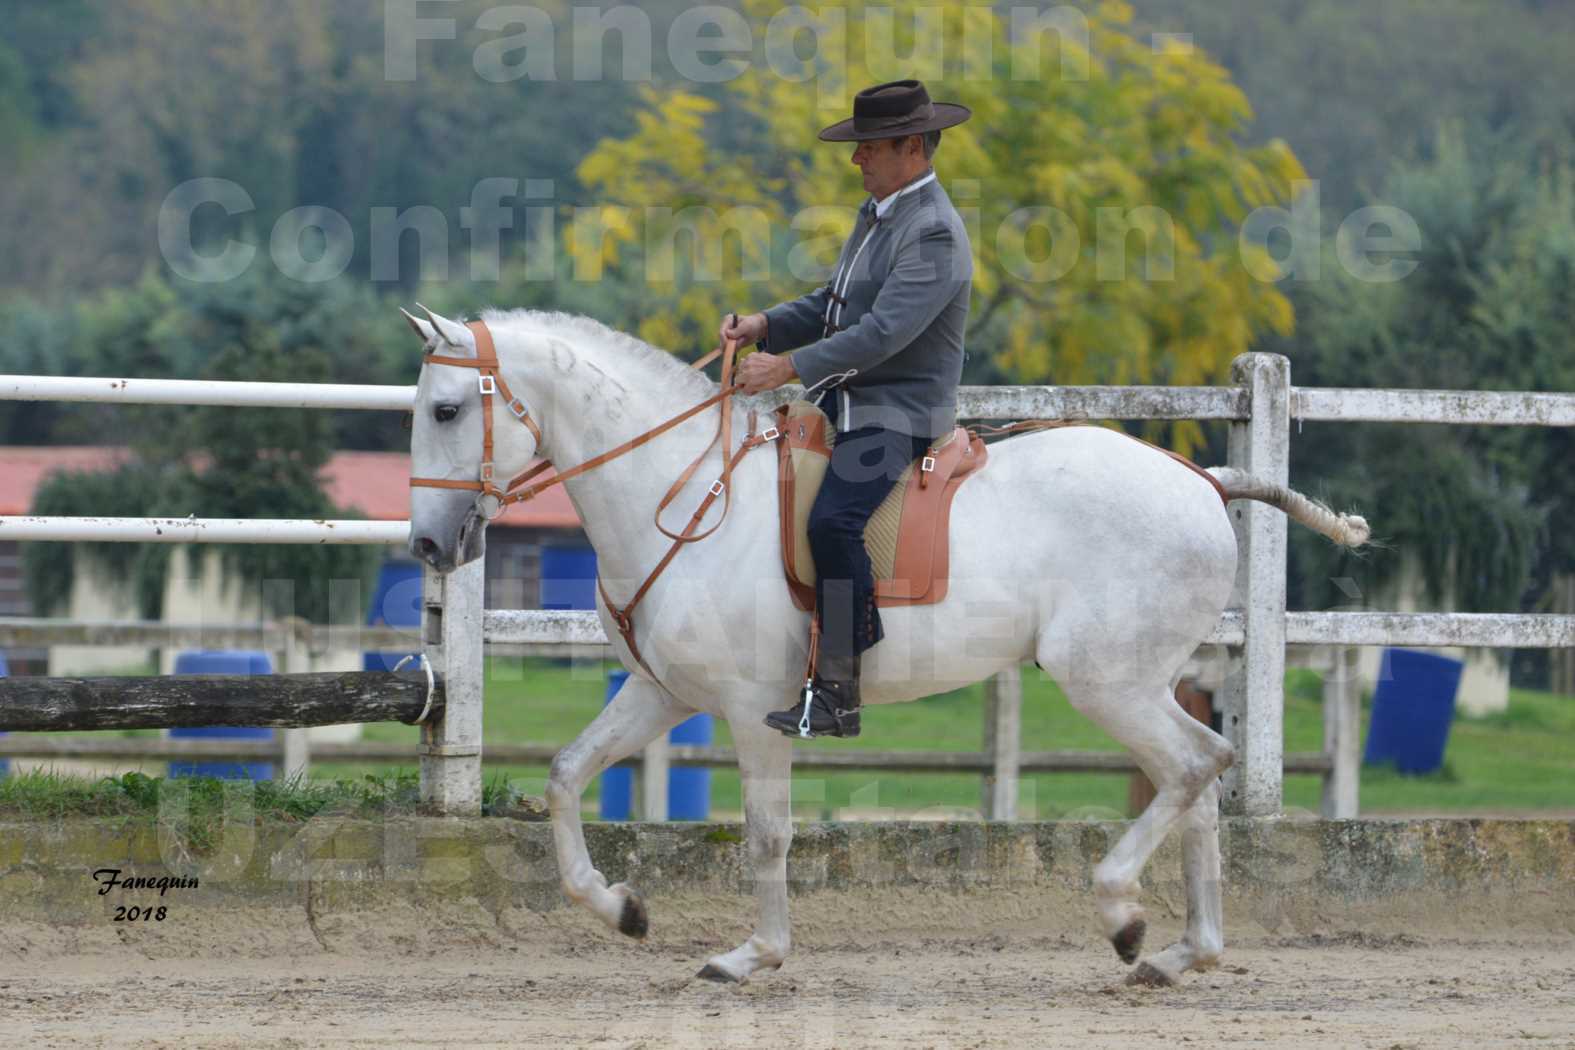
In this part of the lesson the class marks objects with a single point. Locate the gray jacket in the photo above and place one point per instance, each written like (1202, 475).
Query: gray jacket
(893, 313)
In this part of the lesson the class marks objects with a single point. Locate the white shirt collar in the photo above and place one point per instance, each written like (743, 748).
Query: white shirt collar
(883, 206)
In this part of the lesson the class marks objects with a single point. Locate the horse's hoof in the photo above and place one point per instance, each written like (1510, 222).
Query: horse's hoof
(1130, 940)
(633, 922)
(712, 973)
(1148, 975)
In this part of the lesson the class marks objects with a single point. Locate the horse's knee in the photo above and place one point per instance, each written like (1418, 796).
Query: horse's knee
(563, 790)
(769, 845)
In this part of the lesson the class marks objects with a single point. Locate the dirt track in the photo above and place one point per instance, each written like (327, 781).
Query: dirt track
(1352, 991)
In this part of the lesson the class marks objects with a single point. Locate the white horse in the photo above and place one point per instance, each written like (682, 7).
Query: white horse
(1096, 556)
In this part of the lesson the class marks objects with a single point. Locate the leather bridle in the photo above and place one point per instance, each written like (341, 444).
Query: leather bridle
(491, 498)
(492, 384)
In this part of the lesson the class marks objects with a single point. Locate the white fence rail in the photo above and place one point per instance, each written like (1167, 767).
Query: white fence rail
(1259, 408)
(202, 530)
(205, 392)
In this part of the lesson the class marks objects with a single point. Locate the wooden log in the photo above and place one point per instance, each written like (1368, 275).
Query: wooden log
(188, 701)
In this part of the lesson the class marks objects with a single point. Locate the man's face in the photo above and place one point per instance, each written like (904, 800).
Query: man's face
(886, 163)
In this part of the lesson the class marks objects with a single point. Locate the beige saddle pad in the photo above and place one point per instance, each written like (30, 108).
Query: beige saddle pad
(907, 538)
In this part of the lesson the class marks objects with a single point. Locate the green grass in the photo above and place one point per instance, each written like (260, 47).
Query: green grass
(1521, 760)
(199, 804)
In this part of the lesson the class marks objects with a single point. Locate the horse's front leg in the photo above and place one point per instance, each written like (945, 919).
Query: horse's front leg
(637, 715)
(765, 765)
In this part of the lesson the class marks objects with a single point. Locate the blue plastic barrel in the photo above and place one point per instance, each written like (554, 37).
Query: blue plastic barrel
(5, 763)
(395, 603)
(223, 661)
(617, 783)
(1413, 707)
(688, 787)
(568, 578)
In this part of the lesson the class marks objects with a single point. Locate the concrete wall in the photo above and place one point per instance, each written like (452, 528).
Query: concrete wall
(408, 884)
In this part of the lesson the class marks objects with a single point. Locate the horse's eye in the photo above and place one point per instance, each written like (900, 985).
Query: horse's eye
(445, 413)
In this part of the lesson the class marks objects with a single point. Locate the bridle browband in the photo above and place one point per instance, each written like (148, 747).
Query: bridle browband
(491, 499)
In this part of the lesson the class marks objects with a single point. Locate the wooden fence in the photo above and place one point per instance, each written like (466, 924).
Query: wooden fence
(1258, 407)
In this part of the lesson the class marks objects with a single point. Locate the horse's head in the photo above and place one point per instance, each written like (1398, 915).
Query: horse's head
(448, 521)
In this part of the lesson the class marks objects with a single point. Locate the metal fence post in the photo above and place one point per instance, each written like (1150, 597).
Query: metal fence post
(451, 608)
(1003, 722)
(1253, 696)
(297, 660)
(1342, 733)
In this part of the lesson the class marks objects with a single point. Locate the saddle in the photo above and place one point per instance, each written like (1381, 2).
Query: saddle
(906, 538)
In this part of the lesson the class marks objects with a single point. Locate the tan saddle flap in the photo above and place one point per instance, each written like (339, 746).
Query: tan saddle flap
(906, 538)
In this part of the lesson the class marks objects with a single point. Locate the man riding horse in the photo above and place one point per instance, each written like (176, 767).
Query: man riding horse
(883, 342)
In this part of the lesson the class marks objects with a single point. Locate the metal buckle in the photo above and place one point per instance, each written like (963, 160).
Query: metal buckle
(717, 487)
(928, 465)
(488, 385)
(518, 408)
(486, 472)
(489, 504)
(770, 434)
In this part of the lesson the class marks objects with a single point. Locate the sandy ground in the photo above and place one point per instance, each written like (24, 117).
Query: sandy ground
(1387, 993)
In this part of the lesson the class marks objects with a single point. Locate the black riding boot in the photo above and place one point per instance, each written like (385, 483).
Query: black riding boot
(829, 705)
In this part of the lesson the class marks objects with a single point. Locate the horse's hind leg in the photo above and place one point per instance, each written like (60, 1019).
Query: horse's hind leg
(1200, 947)
(765, 763)
(1181, 756)
(637, 715)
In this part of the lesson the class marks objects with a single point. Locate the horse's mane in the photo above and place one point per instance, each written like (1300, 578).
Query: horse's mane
(581, 329)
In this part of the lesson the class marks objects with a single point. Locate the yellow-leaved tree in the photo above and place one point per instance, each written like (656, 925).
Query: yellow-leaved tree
(1101, 178)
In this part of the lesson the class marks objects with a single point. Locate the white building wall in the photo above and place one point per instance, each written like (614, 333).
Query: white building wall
(97, 596)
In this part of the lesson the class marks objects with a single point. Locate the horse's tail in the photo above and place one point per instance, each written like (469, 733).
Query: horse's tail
(1348, 530)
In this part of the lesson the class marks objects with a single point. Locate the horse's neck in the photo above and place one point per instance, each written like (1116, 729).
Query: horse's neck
(600, 402)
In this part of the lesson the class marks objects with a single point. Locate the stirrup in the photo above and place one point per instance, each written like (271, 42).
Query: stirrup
(809, 699)
(834, 720)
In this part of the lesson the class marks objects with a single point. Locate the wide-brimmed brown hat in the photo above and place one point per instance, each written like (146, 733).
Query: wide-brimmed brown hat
(889, 111)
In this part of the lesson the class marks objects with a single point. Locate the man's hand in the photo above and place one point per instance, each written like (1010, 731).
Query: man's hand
(760, 372)
(746, 331)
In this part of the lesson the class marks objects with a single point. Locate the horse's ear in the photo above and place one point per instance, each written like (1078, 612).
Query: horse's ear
(420, 327)
(448, 331)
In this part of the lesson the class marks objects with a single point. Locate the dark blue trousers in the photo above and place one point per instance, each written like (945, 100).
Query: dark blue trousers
(864, 467)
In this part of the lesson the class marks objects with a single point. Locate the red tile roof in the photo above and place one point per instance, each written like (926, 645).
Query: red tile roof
(374, 483)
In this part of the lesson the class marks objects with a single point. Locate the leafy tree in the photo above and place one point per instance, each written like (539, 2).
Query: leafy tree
(1135, 276)
(1356, 86)
(1487, 308)
(212, 462)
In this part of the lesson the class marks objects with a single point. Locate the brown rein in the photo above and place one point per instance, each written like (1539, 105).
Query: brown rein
(492, 384)
(520, 488)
